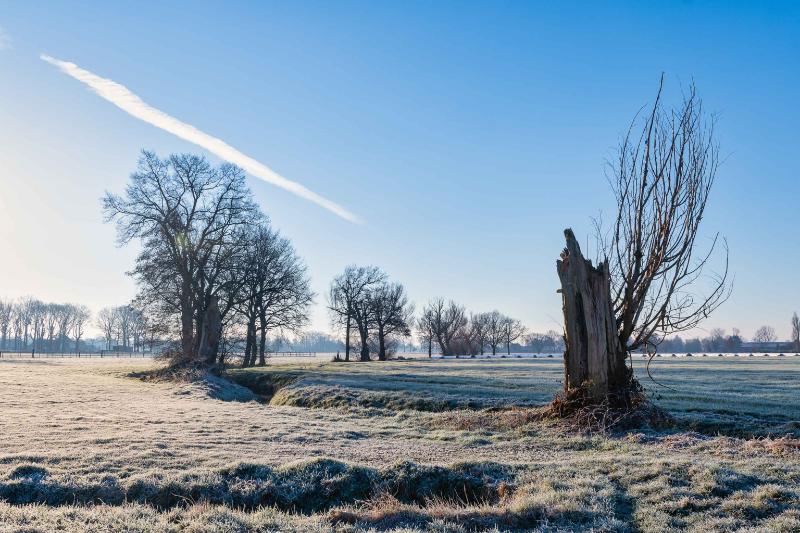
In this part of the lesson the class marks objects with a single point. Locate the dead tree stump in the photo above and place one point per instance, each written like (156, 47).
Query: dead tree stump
(595, 369)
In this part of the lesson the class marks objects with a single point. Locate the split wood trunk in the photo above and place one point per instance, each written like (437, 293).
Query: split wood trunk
(594, 359)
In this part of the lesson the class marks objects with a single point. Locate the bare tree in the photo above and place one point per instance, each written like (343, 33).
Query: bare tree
(347, 301)
(276, 291)
(80, 316)
(447, 321)
(392, 313)
(765, 334)
(552, 341)
(645, 288)
(25, 313)
(494, 330)
(124, 322)
(38, 314)
(425, 330)
(512, 330)
(52, 312)
(478, 325)
(66, 316)
(107, 323)
(796, 331)
(190, 218)
(6, 321)
(364, 320)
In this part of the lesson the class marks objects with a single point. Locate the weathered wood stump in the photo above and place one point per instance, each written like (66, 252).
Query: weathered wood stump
(595, 369)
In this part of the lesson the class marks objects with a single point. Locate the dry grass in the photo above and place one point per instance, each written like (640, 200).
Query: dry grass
(153, 456)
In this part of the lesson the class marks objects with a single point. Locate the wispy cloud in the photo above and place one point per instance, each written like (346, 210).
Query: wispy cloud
(122, 97)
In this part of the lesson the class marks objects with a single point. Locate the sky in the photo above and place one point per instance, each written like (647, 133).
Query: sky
(457, 139)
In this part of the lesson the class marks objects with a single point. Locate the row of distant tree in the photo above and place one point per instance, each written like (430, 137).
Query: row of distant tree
(454, 331)
(29, 324)
(719, 341)
(322, 342)
(32, 324)
(387, 322)
(444, 327)
(374, 313)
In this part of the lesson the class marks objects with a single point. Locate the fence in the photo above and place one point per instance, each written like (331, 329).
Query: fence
(270, 355)
(4, 354)
(12, 354)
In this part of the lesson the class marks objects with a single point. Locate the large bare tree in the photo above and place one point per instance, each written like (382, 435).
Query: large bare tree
(795, 331)
(190, 218)
(647, 285)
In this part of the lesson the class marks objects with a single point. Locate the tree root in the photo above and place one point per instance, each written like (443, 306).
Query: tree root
(625, 409)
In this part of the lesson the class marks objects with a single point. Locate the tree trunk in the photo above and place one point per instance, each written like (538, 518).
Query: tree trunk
(262, 347)
(364, 346)
(594, 360)
(381, 346)
(365, 353)
(430, 347)
(187, 321)
(442, 345)
(211, 331)
(347, 340)
(250, 343)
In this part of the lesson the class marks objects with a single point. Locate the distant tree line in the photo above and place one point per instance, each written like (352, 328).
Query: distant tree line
(448, 326)
(308, 341)
(721, 342)
(374, 314)
(31, 324)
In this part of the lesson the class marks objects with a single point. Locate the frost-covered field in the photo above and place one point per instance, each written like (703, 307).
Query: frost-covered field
(420, 445)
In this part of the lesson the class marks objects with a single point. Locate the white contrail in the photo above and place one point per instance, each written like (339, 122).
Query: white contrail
(122, 97)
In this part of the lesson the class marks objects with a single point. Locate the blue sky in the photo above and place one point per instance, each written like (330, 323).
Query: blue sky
(466, 135)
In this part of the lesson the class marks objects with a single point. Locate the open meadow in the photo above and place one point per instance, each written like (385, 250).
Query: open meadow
(420, 445)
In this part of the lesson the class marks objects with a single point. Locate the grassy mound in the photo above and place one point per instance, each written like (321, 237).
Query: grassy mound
(328, 495)
(200, 381)
(325, 389)
(306, 487)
